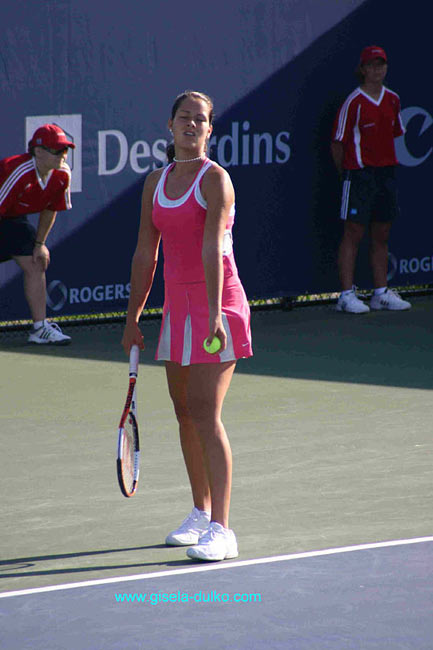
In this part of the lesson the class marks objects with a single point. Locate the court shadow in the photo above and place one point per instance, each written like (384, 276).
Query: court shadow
(314, 343)
(319, 343)
(25, 567)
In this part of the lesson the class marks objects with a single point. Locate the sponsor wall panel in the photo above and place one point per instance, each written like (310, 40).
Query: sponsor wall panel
(278, 72)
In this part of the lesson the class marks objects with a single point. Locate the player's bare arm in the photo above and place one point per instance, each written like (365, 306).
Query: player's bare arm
(219, 194)
(143, 265)
(337, 152)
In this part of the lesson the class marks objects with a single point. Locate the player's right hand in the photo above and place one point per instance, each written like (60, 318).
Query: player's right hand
(132, 336)
(41, 257)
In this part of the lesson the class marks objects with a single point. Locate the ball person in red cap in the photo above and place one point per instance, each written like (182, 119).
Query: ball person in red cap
(364, 153)
(36, 182)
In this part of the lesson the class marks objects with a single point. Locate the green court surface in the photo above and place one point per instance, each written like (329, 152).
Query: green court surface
(330, 425)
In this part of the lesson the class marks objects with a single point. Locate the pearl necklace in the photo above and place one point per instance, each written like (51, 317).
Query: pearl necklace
(189, 159)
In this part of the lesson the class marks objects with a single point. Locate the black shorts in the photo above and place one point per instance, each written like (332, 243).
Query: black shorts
(17, 237)
(369, 194)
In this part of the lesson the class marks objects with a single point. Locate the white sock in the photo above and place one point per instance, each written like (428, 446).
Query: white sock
(380, 291)
(345, 293)
(38, 324)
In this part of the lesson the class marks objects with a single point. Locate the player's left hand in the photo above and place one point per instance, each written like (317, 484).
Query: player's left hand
(216, 328)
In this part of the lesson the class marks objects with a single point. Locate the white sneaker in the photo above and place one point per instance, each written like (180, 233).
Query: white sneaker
(190, 529)
(358, 294)
(217, 543)
(389, 300)
(351, 303)
(48, 334)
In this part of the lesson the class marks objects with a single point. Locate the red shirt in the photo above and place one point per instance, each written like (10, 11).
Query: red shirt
(22, 190)
(367, 128)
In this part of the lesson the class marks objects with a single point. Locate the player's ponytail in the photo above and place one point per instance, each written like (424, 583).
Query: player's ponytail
(169, 152)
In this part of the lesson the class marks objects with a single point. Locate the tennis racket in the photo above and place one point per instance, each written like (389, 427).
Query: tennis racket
(128, 446)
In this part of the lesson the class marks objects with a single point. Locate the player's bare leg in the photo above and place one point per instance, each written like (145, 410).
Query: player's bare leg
(348, 251)
(177, 377)
(34, 286)
(379, 236)
(207, 387)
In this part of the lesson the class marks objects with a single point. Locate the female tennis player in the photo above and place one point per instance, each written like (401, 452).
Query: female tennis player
(190, 205)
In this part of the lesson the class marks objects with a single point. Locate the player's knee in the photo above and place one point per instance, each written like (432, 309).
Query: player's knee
(380, 233)
(202, 414)
(27, 265)
(34, 271)
(181, 412)
(353, 232)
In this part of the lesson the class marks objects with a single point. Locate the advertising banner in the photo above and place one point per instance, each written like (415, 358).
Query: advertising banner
(277, 72)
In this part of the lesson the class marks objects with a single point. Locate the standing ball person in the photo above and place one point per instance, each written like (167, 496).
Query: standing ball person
(190, 205)
(364, 153)
(38, 181)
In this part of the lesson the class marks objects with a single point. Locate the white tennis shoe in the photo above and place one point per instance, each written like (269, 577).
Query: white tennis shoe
(352, 304)
(190, 529)
(217, 543)
(389, 300)
(48, 334)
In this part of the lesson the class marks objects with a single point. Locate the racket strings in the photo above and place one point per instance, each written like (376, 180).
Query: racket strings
(128, 450)
(128, 453)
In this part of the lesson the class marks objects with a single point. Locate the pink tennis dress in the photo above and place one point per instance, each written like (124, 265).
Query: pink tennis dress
(185, 320)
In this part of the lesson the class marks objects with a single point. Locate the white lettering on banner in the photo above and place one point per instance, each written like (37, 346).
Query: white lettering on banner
(158, 151)
(232, 141)
(102, 152)
(231, 150)
(100, 293)
(415, 265)
(282, 147)
(258, 139)
(58, 295)
(404, 143)
(140, 151)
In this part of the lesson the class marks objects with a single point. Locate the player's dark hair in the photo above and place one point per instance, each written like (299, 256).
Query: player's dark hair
(170, 152)
(177, 102)
(197, 95)
(359, 74)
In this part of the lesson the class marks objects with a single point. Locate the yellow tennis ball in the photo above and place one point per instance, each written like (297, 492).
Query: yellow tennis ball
(215, 345)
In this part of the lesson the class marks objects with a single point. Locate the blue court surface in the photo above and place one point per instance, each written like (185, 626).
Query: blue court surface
(372, 596)
(330, 426)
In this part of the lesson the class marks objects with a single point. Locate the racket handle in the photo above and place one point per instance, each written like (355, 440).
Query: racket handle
(133, 360)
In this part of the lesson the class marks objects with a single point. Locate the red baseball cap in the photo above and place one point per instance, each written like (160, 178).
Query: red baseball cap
(52, 136)
(372, 52)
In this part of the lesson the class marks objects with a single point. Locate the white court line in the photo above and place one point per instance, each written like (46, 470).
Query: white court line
(216, 567)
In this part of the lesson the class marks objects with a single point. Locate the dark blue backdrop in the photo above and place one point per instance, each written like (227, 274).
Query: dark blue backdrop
(277, 71)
